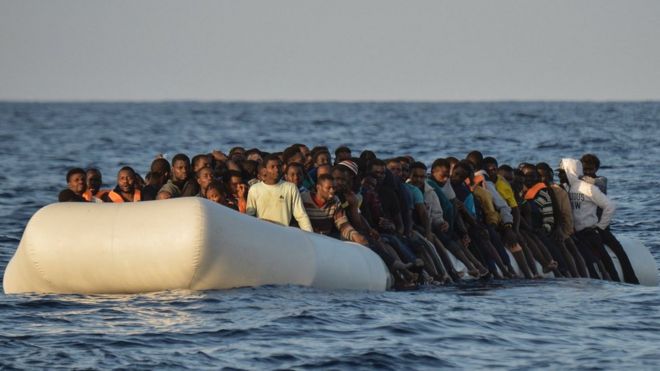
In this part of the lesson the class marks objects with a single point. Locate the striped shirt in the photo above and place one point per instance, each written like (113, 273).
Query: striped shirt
(328, 217)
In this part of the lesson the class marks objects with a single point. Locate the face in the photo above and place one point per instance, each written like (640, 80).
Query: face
(201, 163)
(254, 157)
(459, 175)
(323, 169)
(562, 176)
(395, 168)
(440, 174)
(508, 175)
(180, 170)
(325, 190)
(342, 156)
(237, 156)
(298, 157)
(77, 183)
(589, 170)
(215, 196)
(233, 184)
(531, 177)
(322, 159)
(491, 169)
(273, 172)
(307, 155)
(546, 177)
(378, 172)
(294, 175)
(205, 177)
(405, 170)
(341, 182)
(369, 183)
(94, 181)
(417, 177)
(126, 181)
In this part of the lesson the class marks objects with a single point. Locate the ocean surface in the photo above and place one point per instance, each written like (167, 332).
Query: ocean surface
(548, 324)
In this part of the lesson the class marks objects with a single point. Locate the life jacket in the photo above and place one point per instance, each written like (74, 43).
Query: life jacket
(531, 193)
(117, 198)
(89, 197)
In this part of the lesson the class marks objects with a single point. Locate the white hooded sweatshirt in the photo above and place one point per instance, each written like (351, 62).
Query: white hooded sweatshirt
(586, 198)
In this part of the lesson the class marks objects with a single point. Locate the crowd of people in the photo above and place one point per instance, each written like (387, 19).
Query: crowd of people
(415, 217)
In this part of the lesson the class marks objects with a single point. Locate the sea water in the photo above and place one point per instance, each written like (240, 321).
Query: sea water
(552, 324)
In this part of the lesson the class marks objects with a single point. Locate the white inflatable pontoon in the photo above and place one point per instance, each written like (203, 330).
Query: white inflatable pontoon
(185, 243)
(192, 243)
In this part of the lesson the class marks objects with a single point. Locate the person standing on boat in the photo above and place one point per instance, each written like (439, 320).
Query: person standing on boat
(276, 200)
(585, 200)
(126, 189)
(590, 165)
(76, 186)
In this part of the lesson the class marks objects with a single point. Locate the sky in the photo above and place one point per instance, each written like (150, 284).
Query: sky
(292, 50)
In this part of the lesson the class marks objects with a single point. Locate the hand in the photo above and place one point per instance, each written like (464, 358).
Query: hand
(466, 240)
(444, 227)
(241, 190)
(358, 238)
(374, 234)
(219, 155)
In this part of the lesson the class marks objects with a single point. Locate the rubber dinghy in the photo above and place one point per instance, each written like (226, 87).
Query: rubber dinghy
(192, 243)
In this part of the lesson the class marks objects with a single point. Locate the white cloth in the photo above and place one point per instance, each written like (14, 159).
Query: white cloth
(278, 203)
(586, 198)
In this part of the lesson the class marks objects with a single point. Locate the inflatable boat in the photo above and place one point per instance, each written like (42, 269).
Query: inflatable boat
(192, 243)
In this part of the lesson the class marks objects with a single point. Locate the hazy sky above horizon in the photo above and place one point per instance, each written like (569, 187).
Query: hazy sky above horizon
(329, 50)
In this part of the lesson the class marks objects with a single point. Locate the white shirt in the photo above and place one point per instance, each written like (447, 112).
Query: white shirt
(278, 203)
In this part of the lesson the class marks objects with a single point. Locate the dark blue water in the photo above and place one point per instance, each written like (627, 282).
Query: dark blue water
(553, 324)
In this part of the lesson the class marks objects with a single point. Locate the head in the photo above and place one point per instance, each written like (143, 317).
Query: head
(216, 192)
(506, 172)
(323, 169)
(200, 161)
(590, 165)
(394, 166)
(440, 170)
(325, 187)
(341, 178)
(320, 156)
(94, 180)
(272, 169)
(546, 175)
(204, 177)
(232, 179)
(489, 164)
(253, 154)
(462, 170)
(294, 173)
(342, 153)
(180, 167)
(307, 156)
(292, 154)
(376, 168)
(531, 175)
(126, 179)
(249, 169)
(476, 159)
(76, 180)
(237, 154)
(160, 171)
(418, 174)
(452, 162)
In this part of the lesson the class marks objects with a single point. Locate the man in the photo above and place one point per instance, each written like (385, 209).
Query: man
(126, 189)
(326, 214)
(76, 186)
(585, 200)
(204, 177)
(295, 174)
(159, 173)
(180, 172)
(276, 200)
(236, 191)
(342, 153)
(94, 180)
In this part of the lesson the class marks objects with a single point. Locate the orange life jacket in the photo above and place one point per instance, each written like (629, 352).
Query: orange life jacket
(89, 197)
(116, 197)
(531, 193)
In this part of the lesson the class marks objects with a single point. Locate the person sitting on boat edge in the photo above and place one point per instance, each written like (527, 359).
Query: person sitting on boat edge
(236, 191)
(126, 189)
(76, 186)
(174, 186)
(326, 214)
(276, 200)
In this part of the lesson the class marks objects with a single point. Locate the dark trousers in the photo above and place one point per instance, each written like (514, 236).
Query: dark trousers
(590, 239)
(608, 239)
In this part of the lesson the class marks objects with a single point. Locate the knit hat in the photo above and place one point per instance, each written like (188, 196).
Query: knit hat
(352, 166)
